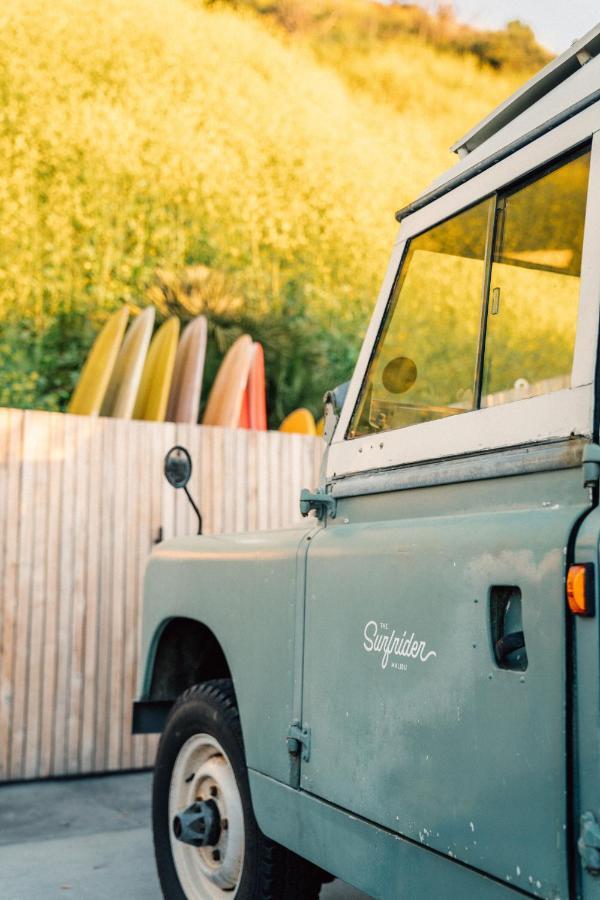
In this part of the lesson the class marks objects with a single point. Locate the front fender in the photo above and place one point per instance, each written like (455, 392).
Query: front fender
(243, 587)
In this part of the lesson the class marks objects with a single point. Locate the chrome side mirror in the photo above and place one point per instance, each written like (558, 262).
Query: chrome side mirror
(178, 467)
(178, 471)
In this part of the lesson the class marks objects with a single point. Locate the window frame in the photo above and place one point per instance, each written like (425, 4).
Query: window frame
(491, 200)
(539, 419)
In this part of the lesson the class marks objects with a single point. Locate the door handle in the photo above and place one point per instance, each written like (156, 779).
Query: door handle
(506, 627)
(507, 644)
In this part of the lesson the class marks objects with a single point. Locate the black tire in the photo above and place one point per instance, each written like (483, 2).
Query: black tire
(269, 871)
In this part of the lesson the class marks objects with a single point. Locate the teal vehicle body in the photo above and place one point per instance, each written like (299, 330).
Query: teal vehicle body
(419, 704)
(256, 633)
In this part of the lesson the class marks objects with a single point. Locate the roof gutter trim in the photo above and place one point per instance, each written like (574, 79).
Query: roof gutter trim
(498, 156)
(555, 73)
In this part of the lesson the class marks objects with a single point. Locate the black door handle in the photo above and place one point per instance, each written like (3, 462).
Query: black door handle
(508, 643)
(506, 626)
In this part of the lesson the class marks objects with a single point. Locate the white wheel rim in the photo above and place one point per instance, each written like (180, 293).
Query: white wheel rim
(202, 771)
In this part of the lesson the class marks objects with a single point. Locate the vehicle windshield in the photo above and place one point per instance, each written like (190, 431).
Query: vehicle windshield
(484, 308)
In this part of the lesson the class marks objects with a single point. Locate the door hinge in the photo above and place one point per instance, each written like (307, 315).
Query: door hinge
(591, 465)
(589, 843)
(319, 501)
(298, 738)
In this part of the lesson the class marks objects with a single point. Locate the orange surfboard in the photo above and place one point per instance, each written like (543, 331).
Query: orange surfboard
(254, 404)
(300, 421)
(224, 403)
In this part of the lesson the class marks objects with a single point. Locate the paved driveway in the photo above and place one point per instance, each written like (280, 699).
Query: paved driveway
(86, 838)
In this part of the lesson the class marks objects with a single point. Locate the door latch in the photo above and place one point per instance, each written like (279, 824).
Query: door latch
(320, 501)
(298, 738)
(589, 843)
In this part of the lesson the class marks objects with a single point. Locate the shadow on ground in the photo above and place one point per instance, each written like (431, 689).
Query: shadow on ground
(86, 838)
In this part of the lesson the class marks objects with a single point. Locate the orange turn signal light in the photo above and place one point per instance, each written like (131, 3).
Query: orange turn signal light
(580, 589)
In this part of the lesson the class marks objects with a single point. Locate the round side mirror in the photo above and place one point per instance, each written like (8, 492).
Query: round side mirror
(178, 467)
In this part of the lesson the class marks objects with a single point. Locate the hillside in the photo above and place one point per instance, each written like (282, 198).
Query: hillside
(144, 138)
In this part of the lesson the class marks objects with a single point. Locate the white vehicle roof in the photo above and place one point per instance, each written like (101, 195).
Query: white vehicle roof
(561, 89)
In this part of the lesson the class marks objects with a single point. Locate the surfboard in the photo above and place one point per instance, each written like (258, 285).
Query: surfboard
(245, 411)
(153, 394)
(186, 387)
(254, 404)
(88, 395)
(300, 421)
(124, 383)
(224, 403)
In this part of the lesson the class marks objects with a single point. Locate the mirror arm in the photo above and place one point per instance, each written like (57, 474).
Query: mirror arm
(195, 508)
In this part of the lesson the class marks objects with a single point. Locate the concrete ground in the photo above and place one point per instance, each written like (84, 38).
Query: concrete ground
(86, 838)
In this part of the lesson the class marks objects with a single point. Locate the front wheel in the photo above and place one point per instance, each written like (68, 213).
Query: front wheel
(207, 843)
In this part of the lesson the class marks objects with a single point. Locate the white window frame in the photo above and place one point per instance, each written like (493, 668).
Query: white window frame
(548, 417)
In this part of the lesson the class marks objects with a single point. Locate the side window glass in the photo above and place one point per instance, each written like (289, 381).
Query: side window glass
(424, 366)
(435, 357)
(534, 287)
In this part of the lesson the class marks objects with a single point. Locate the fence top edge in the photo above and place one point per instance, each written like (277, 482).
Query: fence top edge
(104, 422)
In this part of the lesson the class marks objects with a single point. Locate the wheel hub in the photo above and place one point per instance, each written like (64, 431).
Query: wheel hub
(199, 825)
(207, 822)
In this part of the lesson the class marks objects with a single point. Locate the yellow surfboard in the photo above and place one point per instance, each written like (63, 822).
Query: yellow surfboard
(300, 421)
(153, 394)
(227, 393)
(124, 383)
(88, 395)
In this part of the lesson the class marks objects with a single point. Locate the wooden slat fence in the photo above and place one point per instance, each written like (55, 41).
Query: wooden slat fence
(81, 503)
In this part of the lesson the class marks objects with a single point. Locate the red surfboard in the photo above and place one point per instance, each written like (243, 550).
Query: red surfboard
(254, 405)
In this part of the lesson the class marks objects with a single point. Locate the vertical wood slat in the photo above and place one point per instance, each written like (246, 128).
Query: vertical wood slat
(240, 481)
(273, 487)
(79, 477)
(105, 609)
(130, 596)
(262, 513)
(65, 566)
(81, 503)
(93, 599)
(52, 648)
(11, 429)
(37, 430)
(147, 526)
(216, 481)
(251, 498)
(23, 632)
(6, 604)
(118, 598)
(228, 474)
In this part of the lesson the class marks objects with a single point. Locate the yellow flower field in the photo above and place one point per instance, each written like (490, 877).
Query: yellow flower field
(145, 135)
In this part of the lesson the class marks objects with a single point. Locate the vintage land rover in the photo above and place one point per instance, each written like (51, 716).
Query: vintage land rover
(405, 693)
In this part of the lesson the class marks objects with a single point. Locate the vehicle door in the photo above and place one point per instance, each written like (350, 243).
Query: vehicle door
(434, 665)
